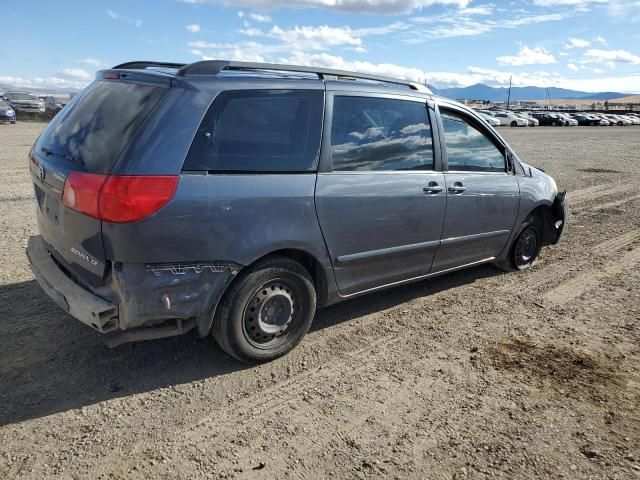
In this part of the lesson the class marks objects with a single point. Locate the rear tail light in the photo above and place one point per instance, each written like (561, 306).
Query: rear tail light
(118, 199)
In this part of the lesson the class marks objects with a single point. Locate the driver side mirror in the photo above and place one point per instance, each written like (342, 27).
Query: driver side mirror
(509, 157)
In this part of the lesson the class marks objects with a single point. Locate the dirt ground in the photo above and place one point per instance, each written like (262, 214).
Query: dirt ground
(478, 374)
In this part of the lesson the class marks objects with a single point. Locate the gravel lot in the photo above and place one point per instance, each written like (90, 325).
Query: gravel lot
(476, 374)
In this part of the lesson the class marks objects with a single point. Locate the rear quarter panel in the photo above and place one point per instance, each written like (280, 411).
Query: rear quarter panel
(234, 218)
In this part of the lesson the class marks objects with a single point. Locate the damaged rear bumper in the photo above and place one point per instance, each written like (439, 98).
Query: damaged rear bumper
(78, 302)
(138, 301)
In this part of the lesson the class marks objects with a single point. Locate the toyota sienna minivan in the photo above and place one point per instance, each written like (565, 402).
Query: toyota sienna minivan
(235, 198)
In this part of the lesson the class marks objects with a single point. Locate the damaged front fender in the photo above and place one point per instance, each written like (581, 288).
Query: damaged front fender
(559, 212)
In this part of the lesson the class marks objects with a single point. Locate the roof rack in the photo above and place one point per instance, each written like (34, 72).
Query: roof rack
(214, 67)
(141, 65)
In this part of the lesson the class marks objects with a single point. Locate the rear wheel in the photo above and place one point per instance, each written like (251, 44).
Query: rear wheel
(266, 312)
(514, 123)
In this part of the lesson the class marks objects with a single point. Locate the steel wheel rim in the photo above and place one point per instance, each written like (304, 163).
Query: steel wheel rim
(526, 247)
(271, 313)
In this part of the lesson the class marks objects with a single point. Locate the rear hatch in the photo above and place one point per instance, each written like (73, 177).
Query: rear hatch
(87, 136)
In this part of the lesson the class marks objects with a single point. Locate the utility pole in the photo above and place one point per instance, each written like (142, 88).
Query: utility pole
(549, 98)
(509, 96)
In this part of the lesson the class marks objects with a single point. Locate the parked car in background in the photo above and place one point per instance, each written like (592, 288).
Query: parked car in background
(7, 114)
(25, 103)
(634, 120)
(212, 198)
(548, 119)
(53, 104)
(588, 120)
(491, 120)
(510, 119)
(533, 122)
(619, 120)
(568, 120)
(604, 118)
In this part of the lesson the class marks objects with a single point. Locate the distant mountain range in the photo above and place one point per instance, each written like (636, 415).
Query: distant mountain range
(480, 91)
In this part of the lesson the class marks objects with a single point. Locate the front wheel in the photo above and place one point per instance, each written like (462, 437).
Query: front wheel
(514, 124)
(527, 246)
(266, 312)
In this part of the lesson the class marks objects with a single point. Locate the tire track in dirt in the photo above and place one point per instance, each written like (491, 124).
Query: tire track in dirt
(617, 203)
(585, 195)
(589, 280)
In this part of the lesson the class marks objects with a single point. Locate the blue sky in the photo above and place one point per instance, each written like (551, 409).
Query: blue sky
(591, 45)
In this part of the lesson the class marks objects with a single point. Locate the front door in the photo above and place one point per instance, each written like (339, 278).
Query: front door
(380, 201)
(482, 195)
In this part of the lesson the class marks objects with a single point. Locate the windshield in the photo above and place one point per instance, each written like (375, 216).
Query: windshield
(22, 96)
(93, 130)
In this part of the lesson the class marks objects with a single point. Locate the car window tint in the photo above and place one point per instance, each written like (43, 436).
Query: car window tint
(380, 134)
(467, 147)
(96, 128)
(259, 131)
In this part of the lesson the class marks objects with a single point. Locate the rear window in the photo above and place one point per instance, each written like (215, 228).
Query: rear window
(93, 130)
(259, 131)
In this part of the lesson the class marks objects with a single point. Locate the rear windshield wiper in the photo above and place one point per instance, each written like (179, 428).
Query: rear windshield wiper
(48, 152)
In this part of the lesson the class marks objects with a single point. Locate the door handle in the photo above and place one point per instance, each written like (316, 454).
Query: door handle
(432, 188)
(457, 188)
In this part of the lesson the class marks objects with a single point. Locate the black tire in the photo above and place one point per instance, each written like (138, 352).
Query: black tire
(553, 124)
(523, 254)
(527, 245)
(514, 123)
(266, 312)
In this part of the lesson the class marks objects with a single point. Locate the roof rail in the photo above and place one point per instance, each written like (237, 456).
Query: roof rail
(213, 67)
(141, 65)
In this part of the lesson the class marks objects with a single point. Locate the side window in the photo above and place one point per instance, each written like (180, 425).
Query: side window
(468, 148)
(369, 134)
(259, 131)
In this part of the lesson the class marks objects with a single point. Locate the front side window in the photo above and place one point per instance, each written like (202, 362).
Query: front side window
(259, 131)
(468, 148)
(370, 134)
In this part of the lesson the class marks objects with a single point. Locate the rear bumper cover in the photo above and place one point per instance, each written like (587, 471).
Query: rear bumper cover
(78, 302)
(137, 296)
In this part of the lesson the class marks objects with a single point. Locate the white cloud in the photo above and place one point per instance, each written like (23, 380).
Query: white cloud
(76, 74)
(555, 3)
(601, 40)
(315, 37)
(193, 28)
(260, 18)
(41, 84)
(94, 62)
(122, 18)
(196, 52)
(461, 24)
(240, 12)
(528, 56)
(573, 66)
(385, 7)
(577, 43)
(611, 56)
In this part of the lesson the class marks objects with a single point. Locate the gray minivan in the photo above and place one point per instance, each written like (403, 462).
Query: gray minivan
(235, 198)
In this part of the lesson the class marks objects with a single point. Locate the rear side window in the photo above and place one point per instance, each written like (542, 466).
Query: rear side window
(468, 148)
(369, 134)
(259, 131)
(93, 130)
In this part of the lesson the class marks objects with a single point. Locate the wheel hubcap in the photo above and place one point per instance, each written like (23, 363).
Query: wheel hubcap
(269, 313)
(526, 248)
